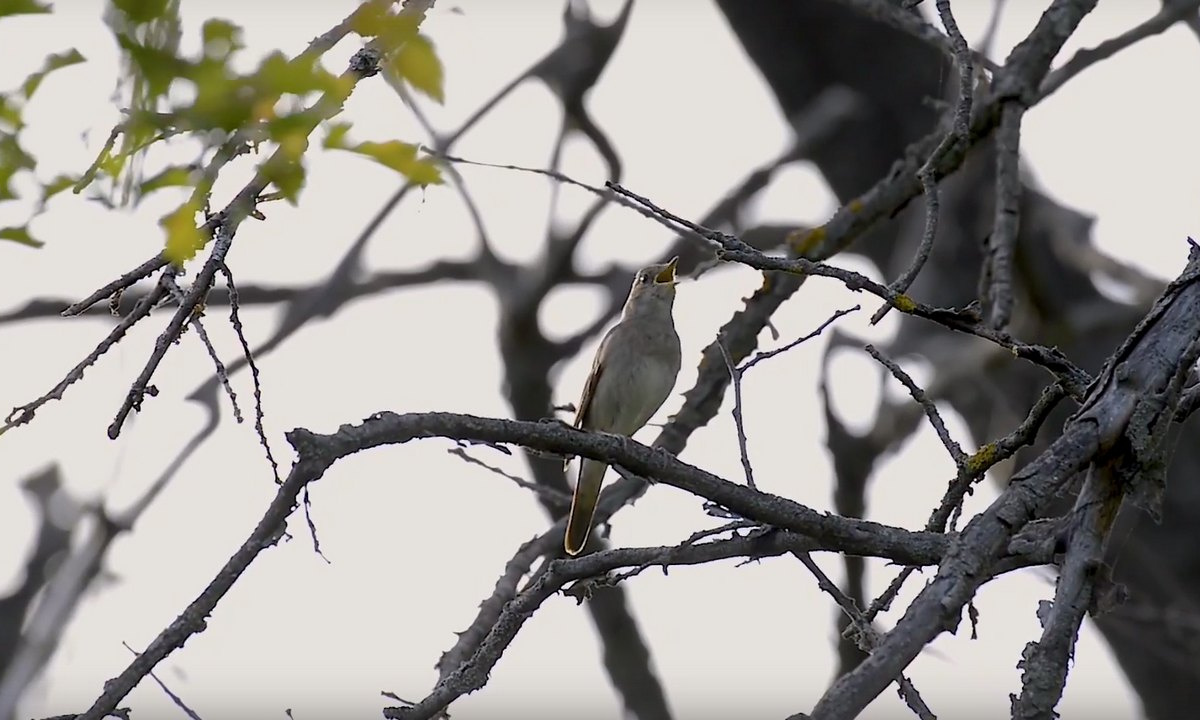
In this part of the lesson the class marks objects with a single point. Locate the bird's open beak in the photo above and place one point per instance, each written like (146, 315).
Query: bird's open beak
(667, 275)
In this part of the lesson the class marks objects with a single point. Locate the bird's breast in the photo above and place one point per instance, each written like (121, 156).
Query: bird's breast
(634, 385)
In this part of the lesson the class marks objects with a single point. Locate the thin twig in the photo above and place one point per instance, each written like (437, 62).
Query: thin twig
(918, 394)
(202, 333)
(188, 305)
(306, 503)
(472, 673)
(670, 554)
(1160, 22)
(991, 454)
(397, 85)
(983, 459)
(1151, 363)
(554, 495)
(318, 46)
(560, 177)
(768, 354)
(736, 373)
(24, 413)
(124, 281)
(316, 453)
(236, 321)
(733, 249)
(178, 701)
(865, 634)
(735, 377)
(958, 135)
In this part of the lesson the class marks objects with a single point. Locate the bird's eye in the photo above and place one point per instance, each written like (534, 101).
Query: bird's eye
(643, 278)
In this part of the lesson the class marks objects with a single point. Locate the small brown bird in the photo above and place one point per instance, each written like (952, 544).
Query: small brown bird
(632, 375)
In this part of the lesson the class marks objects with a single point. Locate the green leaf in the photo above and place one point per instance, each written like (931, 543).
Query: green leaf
(54, 187)
(111, 165)
(53, 62)
(335, 136)
(223, 99)
(22, 7)
(13, 159)
(369, 18)
(286, 175)
(401, 157)
(10, 113)
(290, 130)
(418, 64)
(376, 20)
(174, 176)
(159, 68)
(221, 38)
(278, 75)
(184, 239)
(141, 11)
(20, 234)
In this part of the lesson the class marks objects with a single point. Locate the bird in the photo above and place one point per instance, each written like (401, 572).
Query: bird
(632, 375)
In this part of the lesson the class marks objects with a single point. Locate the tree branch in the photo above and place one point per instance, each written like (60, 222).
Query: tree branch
(317, 453)
(1162, 347)
(1044, 663)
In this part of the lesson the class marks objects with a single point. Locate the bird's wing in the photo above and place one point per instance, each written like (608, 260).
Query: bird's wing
(589, 387)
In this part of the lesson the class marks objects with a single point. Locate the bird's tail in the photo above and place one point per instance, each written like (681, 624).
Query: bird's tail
(583, 505)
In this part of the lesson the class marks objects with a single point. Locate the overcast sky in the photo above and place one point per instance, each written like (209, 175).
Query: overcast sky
(415, 537)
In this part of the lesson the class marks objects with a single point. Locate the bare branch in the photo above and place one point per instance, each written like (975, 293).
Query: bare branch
(236, 321)
(559, 177)
(733, 249)
(198, 324)
(244, 201)
(735, 376)
(127, 280)
(373, 283)
(316, 453)
(1163, 20)
(959, 134)
(142, 309)
(1044, 663)
(561, 499)
(183, 314)
(397, 85)
(470, 639)
(996, 277)
(195, 617)
(866, 635)
(910, 22)
(667, 557)
(971, 472)
(1154, 359)
(768, 354)
(472, 673)
(935, 418)
(175, 699)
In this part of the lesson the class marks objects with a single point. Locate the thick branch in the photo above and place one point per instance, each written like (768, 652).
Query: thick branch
(316, 453)
(1163, 347)
(1044, 663)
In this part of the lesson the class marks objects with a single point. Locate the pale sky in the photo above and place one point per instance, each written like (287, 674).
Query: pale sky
(415, 537)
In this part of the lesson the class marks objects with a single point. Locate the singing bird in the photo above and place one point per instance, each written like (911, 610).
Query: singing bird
(632, 375)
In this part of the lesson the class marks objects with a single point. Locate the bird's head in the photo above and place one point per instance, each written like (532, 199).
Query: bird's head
(653, 289)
